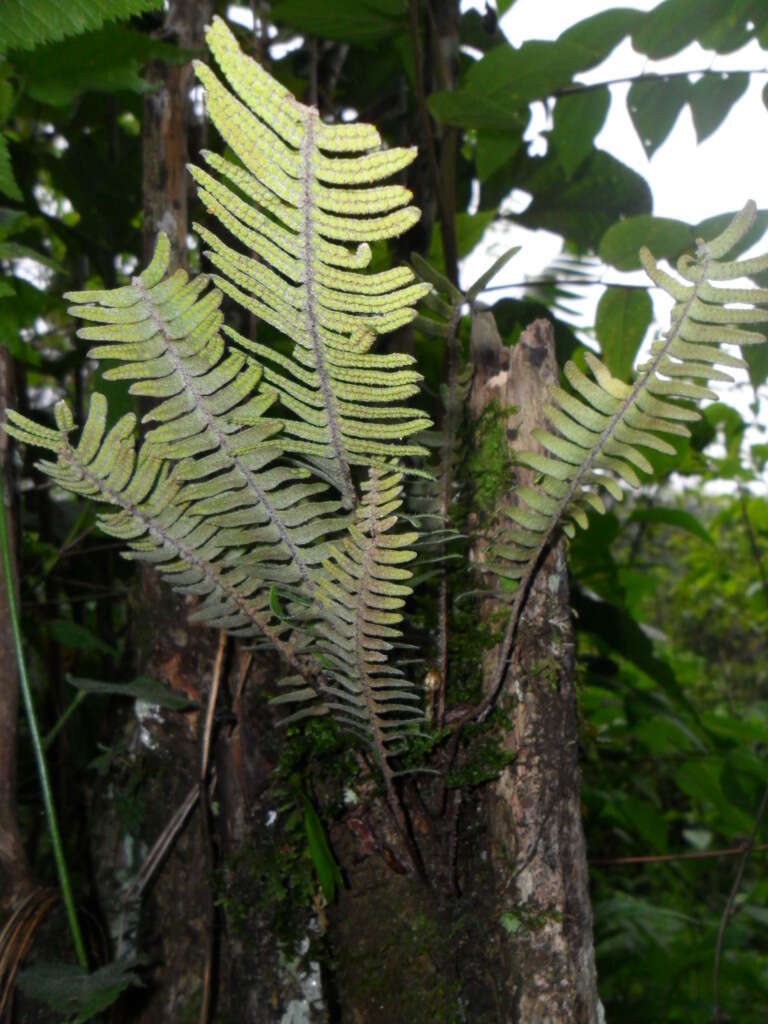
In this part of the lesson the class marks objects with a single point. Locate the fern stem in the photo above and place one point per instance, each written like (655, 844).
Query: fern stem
(449, 426)
(586, 467)
(307, 231)
(37, 745)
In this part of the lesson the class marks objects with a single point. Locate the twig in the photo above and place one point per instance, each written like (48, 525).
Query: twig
(568, 90)
(447, 223)
(16, 938)
(665, 858)
(729, 907)
(156, 855)
(205, 825)
(567, 280)
(37, 745)
(756, 552)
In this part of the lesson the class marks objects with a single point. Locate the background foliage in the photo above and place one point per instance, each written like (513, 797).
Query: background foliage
(671, 590)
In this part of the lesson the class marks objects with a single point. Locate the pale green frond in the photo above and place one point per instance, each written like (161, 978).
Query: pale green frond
(596, 433)
(167, 338)
(304, 206)
(361, 597)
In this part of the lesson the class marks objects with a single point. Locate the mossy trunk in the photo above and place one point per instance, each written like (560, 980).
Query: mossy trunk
(199, 916)
(534, 814)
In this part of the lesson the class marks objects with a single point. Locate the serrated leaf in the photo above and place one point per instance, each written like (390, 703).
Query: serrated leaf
(25, 25)
(110, 59)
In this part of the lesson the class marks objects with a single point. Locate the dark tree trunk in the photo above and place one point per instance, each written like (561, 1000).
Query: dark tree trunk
(13, 859)
(206, 963)
(534, 813)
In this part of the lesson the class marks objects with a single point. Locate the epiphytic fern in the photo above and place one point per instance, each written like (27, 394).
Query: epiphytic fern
(213, 502)
(165, 332)
(603, 423)
(303, 199)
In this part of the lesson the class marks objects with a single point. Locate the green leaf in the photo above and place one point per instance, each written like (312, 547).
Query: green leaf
(26, 24)
(362, 22)
(619, 631)
(584, 207)
(579, 116)
(599, 34)
(111, 59)
(275, 604)
(641, 818)
(72, 991)
(142, 688)
(654, 105)
(470, 228)
(8, 184)
(672, 517)
(711, 99)
(713, 226)
(757, 359)
(328, 873)
(15, 251)
(495, 92)
(623, 317)
(674, 24)
(665, 237)
(79, 638)
(493, 150)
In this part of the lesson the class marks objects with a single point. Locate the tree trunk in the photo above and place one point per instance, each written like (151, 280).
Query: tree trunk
(13, 858)
(534, 814)
(206, 963)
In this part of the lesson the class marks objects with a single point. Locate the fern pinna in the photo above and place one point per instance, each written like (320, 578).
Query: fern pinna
(602, 423)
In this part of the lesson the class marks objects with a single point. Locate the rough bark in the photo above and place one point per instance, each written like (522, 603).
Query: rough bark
(13, 858)
(534, 816)
(168, 117)
(187, 938)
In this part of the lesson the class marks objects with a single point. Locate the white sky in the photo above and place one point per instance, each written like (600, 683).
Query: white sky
(688, 181)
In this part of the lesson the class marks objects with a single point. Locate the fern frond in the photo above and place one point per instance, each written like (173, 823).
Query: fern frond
(150, 519)
(164, 330)
(361, 598)
(302, 199)
(603, 425)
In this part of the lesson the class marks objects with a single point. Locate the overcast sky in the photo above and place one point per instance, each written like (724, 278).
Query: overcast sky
(688, 181)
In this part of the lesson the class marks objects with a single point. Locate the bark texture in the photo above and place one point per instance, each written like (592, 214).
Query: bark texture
(13, 859)
(168, 118)
(534, 815)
